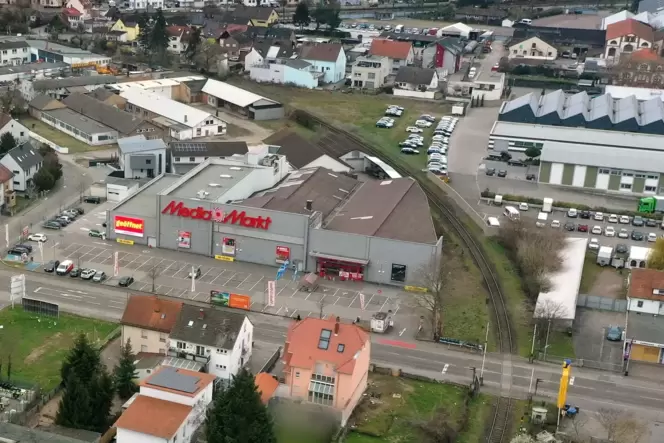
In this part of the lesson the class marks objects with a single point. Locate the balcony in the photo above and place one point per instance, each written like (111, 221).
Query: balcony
(187, 355)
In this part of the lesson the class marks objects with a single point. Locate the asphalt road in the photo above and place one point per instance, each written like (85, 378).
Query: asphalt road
(590, 390)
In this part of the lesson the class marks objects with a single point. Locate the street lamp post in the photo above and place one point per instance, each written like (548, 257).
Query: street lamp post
(546, 343)
(486, 343)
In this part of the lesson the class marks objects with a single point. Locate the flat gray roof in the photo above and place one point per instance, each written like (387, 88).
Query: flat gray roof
(215, 179)
(585, 136)
(78, 121)
(644, 327)
(603, 156)
(145, 197)
(28, 67)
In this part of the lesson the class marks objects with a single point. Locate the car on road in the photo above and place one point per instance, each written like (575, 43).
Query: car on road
(599, 216)
(614, 333)
(414, 129)
(624, 219)
(582, 228)
(555, 223)
(572, 213)
(613, 218)
(570, 227)
(609, 231)
(26, 248)
(585, 215)
(428, 117)
(126, 281)
(651, 223)
(637, 236)
(652, 237)
(51, 225)
(51, 265)
(87, 274)
(38, 237)
(624, 233)
(622, 248)
(523, 206)
(96, 233)
(490, 171)
(76, 272)
(99, 277)
(531, 177)
(515, 163)
(638, 221)
(593, 244)
(502, 173)
(597, 230)
(195, 273)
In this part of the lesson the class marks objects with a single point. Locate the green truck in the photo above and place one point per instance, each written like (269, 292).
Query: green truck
(650, 205)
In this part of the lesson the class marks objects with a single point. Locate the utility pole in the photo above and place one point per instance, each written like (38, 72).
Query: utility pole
(532, 349)
(486, 344)
(546, 343)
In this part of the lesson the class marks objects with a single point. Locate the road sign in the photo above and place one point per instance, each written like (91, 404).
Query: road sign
(271, 293)
(116, 264)
(193, 279)
(25, 231)
(17, 288)
(361, 301)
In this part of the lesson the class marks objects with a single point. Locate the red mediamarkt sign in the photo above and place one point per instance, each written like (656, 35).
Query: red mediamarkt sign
(234, 217)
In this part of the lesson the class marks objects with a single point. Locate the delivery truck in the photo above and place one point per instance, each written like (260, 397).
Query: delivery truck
(650, 205)
(605, 255)
(547, 204)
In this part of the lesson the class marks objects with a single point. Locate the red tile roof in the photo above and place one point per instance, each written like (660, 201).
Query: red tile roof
(646, 54)
(390, 48)
(630, 27)
(302, 344)
(177, 31)
(5, 174)
(71, 12)
(153, 416)
(324, 52)
(150, 312)
(203, 381)
(266, 385)
(643, 281)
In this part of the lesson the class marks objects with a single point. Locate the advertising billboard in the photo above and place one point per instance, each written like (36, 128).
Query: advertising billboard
(229, 300)
(129, 226)
(184, 239)
(283, 254)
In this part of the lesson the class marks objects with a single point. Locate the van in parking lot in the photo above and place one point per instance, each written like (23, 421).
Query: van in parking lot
(65, 267)
(512, 213)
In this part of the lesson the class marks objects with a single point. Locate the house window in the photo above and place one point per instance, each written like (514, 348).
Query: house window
(321, 393)
(177, 159)
(200, 350)
(514, 51)
(626, 186)
(162, 338)
(148, 161)
(221, 367)
(144, 333)
(297, 374)
(534, 45)
(191, 159)
(650, 189)
(604, 171)
(222, 351)
(371, 76)
(398, 273)
(651, 177)
(181, 345)
(639, 303)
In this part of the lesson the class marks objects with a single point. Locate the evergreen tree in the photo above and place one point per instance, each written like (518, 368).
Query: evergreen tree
(53, 165)
(238, 415)
(159, 37)
(74, 409)
(43, 179)
(193, 45)
(144, 34)
(83, 361)
(101, 393)
(301, 15)
(7, 143)
(125, 372)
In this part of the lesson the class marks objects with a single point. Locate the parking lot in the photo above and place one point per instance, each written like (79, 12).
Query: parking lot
(590, 342)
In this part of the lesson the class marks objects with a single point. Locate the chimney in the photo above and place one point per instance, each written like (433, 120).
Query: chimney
(336, 326)
(201, 314)
(310, 205)
(157, 308)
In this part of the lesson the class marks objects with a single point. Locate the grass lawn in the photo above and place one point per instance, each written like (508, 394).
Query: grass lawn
(290, 434)
(398, 404)
(60, 138)
(590, 273)
(480, 413)
(38, 345)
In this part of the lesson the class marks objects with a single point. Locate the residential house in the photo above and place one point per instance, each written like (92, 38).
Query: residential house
(266, 385)
(533, 48)
(419, 41)
(61, 87)
(23, 161)
(147, 321)
(7, 193)
(326, 362)
(265, 52)
(443, 55)
(301, 153)
(151, 5)
(130, 28)
(82, 6)
(169, 407)
(72, 17)
(645, 306)
(626, 37)
(252, 15)
(568, 41)
(287, 71)
(142, 158)
(182, 121)
(416, 82)
(184, 156)
(14, 52)
(7, 124)
(642, 69)
(222, 340)
(328, 58)
(124, 123)
(178, 38)
(370, 71)
(399, 53)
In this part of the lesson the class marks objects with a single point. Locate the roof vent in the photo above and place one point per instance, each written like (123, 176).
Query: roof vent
(214, 185)
(225, 176)
(386, 182)
(235, 168)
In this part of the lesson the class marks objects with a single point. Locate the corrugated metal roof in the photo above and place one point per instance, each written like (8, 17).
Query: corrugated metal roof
(525, 100)
(603, 156)
(232, 94)
(552, 102)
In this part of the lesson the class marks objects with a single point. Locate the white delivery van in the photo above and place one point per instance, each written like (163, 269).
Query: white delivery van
(493, 222)
(547, 204)
(541, 219)
(512, 213)
(398, 29)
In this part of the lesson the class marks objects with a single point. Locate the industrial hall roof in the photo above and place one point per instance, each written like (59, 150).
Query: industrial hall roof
(579, 110)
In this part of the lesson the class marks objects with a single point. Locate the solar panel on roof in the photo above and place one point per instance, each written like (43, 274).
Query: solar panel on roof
(171, 379)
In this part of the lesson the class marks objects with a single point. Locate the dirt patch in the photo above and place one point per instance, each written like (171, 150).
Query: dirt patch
(609, 283)
(41, 350)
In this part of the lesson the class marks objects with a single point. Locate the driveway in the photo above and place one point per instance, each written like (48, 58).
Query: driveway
(590, 343)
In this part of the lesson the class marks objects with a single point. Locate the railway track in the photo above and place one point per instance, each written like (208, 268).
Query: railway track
(338, 142)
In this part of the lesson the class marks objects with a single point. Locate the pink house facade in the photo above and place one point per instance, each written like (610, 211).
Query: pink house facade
(326, 363)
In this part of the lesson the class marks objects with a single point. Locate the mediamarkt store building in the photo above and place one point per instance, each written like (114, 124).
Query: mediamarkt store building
(255, 209)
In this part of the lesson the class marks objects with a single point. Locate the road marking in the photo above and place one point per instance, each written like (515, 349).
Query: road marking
(245, 279)
(402, 331)
(96, 243)
(397, 343)
(280, 308)
(293, 314)
(264, 307)
(571, 381)
(259, 280)
(84, 229)
(384, 303)
(444, 371)
(56, 245)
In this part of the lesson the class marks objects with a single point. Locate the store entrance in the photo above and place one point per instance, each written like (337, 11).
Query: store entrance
(345, 271)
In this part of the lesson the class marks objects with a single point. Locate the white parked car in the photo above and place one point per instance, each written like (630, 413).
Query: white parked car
(599, 216)
(555, 224)
(523, 206)
(37, 237)
(597, 230)
(414, 129)
(609, 231)
(423, 124)
(652, 237)
(624, 233)
(613, 218)
(593, 244)
(624, 219)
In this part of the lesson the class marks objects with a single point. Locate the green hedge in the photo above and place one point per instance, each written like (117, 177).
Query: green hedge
(559, 204)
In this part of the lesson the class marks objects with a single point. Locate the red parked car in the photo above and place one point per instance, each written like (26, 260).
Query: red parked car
(582, 228)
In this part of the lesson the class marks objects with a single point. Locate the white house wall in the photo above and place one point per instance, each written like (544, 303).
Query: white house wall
(417, 94)
(556, 174)
(647, 306)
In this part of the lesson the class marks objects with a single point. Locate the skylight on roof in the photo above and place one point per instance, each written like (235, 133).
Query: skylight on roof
(386, 182)
(341, 347)
(324, 341)
(225, 176)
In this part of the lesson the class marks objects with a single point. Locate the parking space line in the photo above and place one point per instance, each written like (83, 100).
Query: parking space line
(293, 314)
(184, 291)
(229, 280)
(381, 308)
(206, 273)
(172, 263)
(282, 289)
(245, 279)
(369, 302)
(353, 300)
(280, 308)
(142, 287)
(178, 271)
(294, 292)
(169, 291)
(132, 260)
(95, 257)
(251, 304)
(259, 280)
(335, 291)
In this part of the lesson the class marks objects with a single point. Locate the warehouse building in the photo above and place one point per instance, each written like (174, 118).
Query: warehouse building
(254, 210)
(224, 95)
(599, 143)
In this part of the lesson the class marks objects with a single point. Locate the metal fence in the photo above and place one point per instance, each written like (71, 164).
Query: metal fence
(582, 362)
(601, 303)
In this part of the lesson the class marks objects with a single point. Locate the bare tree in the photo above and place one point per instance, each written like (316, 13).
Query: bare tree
(547, 315)
(578, 424)
(208, 54)
(153, 273)
(621, 426)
